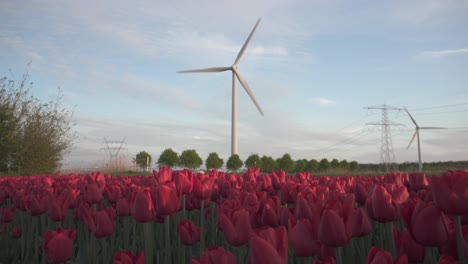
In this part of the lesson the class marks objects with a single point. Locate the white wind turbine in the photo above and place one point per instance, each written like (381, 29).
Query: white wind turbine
(235, 74)
(416, 134)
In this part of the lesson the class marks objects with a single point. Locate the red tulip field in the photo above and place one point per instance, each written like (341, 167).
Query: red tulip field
(213, 218)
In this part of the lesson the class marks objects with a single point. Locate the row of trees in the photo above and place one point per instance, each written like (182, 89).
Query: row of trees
(191, 160)
(34, 135)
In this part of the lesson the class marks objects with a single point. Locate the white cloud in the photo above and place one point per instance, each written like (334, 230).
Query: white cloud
(442, 53)
(323, 101)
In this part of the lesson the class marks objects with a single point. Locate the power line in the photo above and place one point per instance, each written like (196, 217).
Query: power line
(444, 112)
(342, 142)
(436, 107)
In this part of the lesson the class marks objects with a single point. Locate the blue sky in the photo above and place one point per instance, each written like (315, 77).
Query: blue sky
(312, 65)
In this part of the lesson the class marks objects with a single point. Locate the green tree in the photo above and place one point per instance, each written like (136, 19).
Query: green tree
(344, 164)
(143, 159)
(168, 158)
(234, 163)
(213, 161)
(34, 136)
(301, 165)
(267, 164)
(253, 161)
(286, 163)
(313, 165)
(324, 165)
(335, 164)
(353, 166)
(190, 159)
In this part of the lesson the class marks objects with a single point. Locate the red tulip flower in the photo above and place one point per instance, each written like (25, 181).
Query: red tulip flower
(380, 205)
(450, 192)
(36, 204)
(361, 191)
(16, 231)
(164, 175)
(418, 181)
(122, 207)
(302, 209)
(399, 193)
(405, 244)
(270, 215)
(166, 200)
(425, 223)
(361, 226)
(379, 256)
(269, 246)
(447, 259)
(394, 178)
(215, 255)
(58, 244)
(113, 193)
(303, 237)
(97, 178)
(236, 227)
(250, 202)
(58, 208)
(183, 181)
(143, 208)
(326, 260)
(450, 248)
(7, 214)
(336, 224)
(202, 188)
(127, 257)
(189, 233)
(101, 223)
(289, 192)
(93, 194)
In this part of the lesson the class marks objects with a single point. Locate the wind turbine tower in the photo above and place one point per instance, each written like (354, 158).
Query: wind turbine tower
(387, 155)
(235, 75)
(416, 134)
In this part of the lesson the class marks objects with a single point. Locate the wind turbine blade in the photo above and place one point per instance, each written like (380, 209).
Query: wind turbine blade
(412, 119)
(214, 69)
(241, 52)
(433, 127)
(247, 89)
(412, 139)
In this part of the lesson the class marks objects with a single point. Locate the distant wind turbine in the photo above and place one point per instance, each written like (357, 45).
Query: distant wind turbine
(235, 74)
(416, 134)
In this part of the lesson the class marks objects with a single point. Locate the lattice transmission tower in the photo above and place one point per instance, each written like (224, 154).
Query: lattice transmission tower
(115, 148)
(387, 155)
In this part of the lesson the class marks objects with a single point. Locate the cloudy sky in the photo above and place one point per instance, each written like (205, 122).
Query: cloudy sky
(313, 66)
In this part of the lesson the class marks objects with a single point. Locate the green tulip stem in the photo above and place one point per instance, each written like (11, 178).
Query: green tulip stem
(103, 249)
(148, 236)
(134, 235)
(362, 252)
(167, 241)
(94, 252)
(339, 255)
(430, 255)
(184, 210)
(37, 236)
(26, 232)
(126, 230)
(202, 227)
(390, 239)
(460, 240)
(212, 224)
